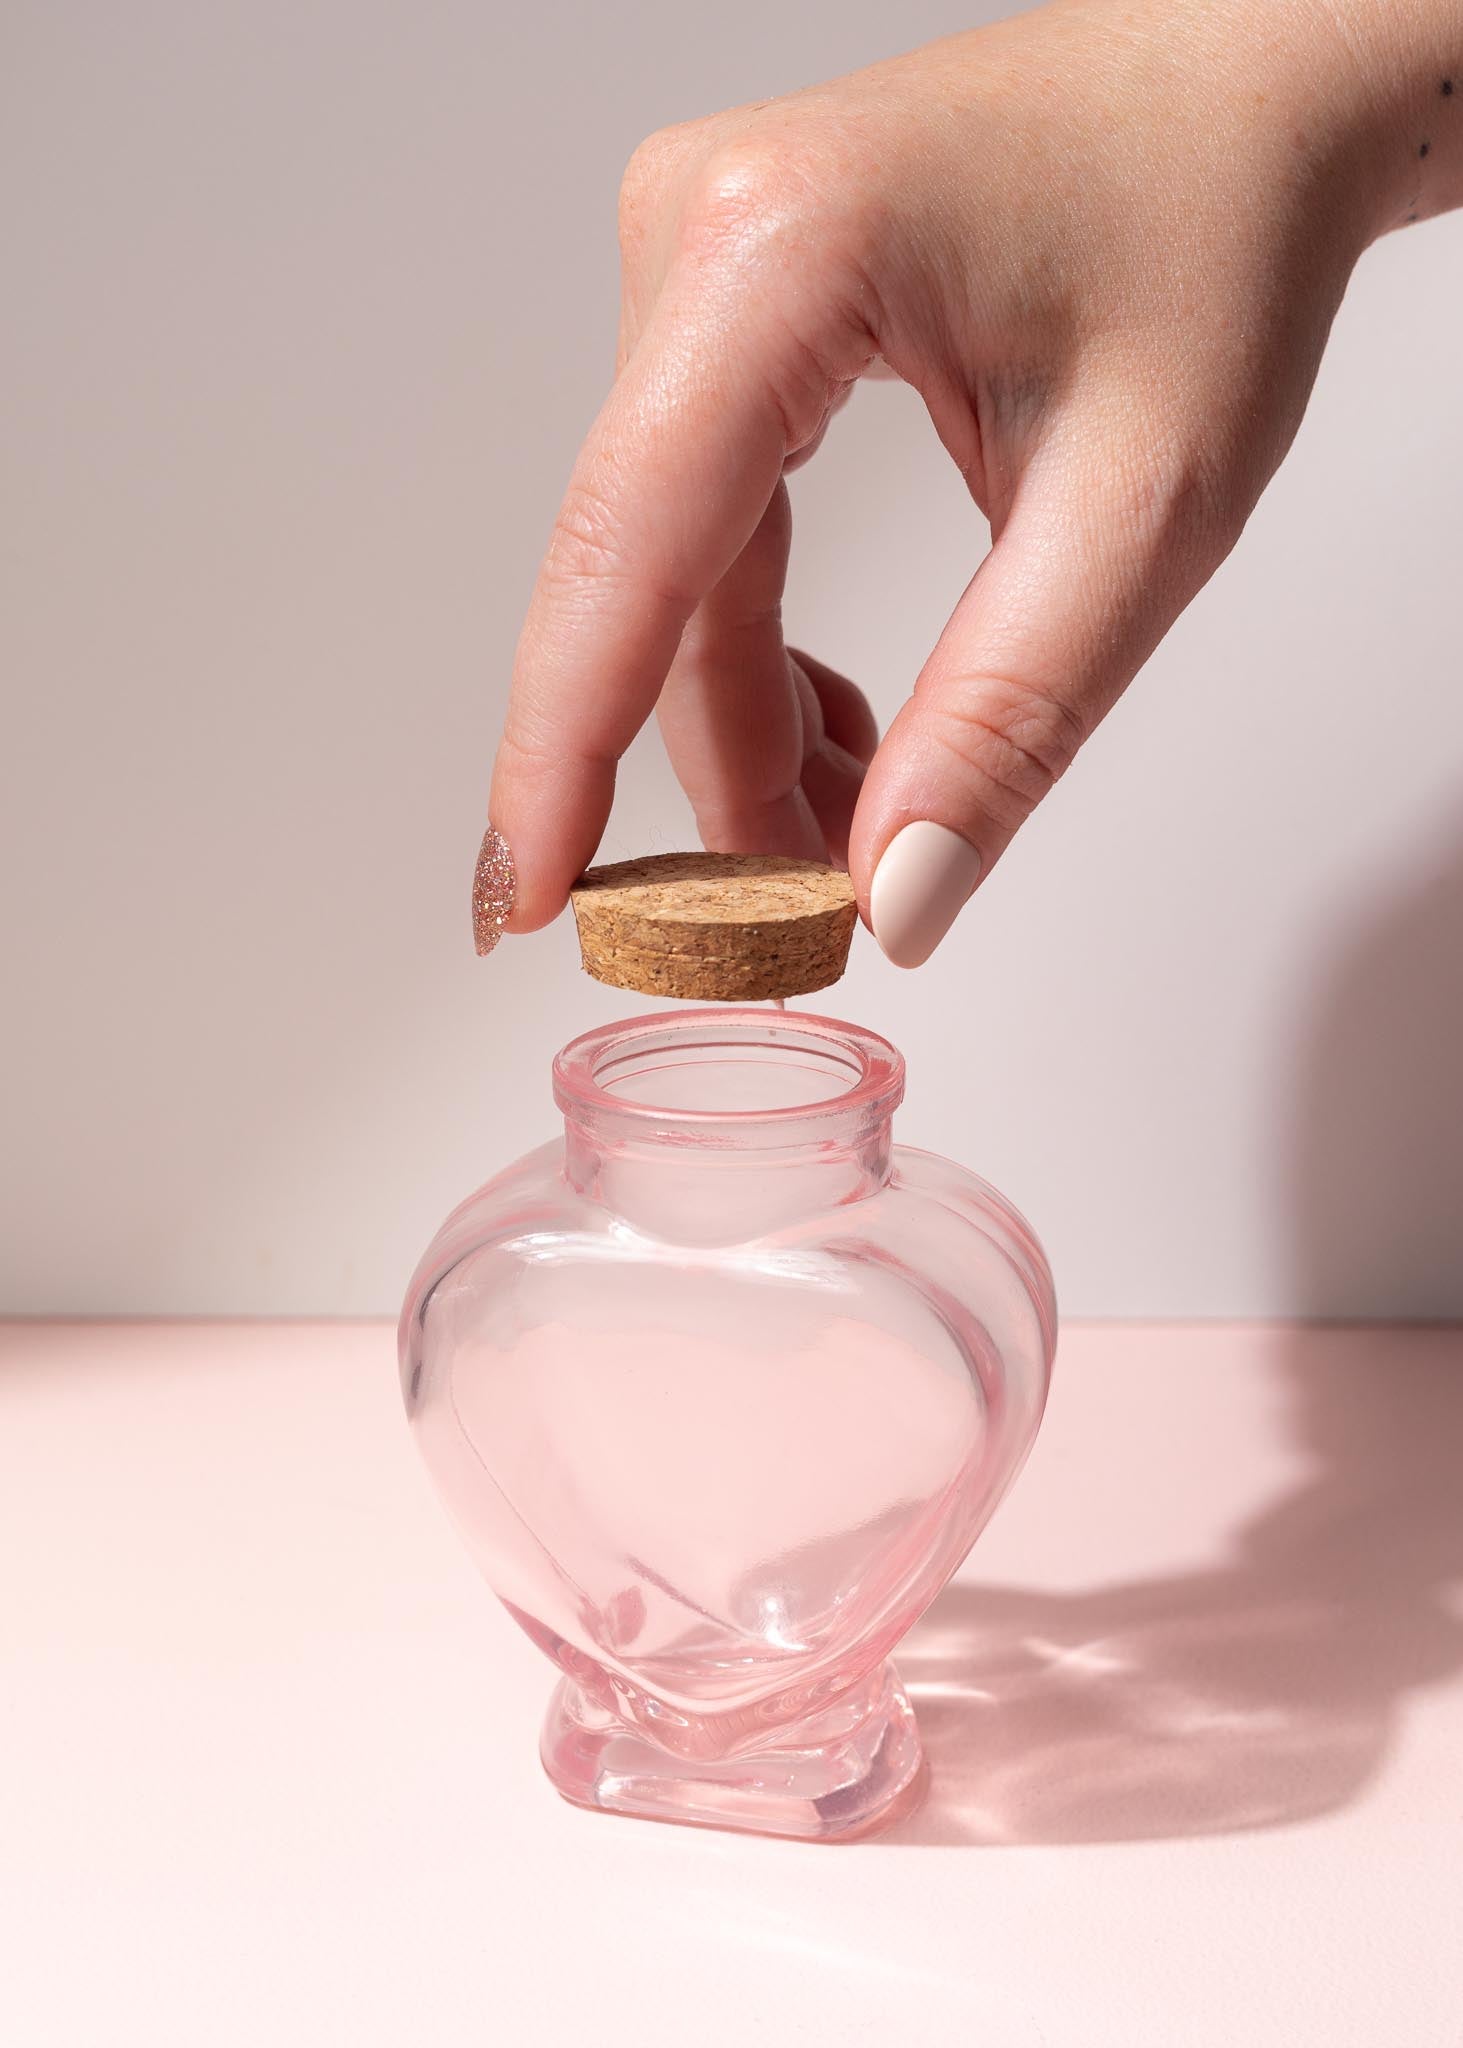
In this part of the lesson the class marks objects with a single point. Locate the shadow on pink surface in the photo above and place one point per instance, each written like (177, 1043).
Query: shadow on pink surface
(1261, 1692)
(1267, 1689)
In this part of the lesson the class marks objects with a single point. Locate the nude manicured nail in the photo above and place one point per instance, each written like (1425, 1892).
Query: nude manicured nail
(494, 887)
(922, 883)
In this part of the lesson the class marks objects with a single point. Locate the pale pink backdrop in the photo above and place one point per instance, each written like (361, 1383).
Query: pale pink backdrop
(306, 308)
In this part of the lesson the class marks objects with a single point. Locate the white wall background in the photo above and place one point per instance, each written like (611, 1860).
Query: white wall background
(306, 307)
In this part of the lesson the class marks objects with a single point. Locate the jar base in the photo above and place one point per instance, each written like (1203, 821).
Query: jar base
(810, 1783)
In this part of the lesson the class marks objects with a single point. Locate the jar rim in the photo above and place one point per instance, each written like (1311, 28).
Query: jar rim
(874, 1070)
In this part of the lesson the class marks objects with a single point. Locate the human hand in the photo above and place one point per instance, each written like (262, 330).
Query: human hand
(1105, 242)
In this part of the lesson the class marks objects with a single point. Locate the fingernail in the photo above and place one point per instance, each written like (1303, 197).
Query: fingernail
(922, 883)
(493, 889)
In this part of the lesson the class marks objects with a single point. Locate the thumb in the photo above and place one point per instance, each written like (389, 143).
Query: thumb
(1083, 581)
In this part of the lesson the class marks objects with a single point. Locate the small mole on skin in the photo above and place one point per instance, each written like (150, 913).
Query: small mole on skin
(1425, 148)
(1447, 88)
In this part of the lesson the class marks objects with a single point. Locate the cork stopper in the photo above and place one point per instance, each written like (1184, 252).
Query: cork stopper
(715, 927)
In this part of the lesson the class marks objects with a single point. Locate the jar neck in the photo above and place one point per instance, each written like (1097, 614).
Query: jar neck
(723, 1126)
(703, 1197)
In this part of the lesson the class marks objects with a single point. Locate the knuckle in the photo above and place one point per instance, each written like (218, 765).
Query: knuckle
(526, 751)
(585, 539)
(751, 198)
(536, 743)
(588, 550)
(784, 204)
(760, 221)
(1016, 738)
(652, 170)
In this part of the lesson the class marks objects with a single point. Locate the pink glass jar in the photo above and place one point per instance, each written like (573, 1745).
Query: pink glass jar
(721, 1387)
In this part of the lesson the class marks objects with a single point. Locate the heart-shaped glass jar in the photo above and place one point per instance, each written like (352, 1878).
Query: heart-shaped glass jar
(721, 1388)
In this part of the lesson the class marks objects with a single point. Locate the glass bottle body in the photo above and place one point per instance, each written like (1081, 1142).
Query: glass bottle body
(721, 1389)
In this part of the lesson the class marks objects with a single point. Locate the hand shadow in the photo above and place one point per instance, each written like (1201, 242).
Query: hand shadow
(1268, 1688)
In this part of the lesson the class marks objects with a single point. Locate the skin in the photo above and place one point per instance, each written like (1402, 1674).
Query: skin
(1105, 243)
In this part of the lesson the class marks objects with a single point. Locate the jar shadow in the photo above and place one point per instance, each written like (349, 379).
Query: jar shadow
(1269, 1688)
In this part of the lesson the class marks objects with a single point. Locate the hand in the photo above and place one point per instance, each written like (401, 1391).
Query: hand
(1105, 242)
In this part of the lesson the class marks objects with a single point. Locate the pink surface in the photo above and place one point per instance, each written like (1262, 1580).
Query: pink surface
(1194, 1710)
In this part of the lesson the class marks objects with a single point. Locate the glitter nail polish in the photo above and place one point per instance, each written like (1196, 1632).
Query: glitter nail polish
(494, 886)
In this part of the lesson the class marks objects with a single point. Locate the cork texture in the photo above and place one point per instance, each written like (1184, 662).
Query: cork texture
(715, 927)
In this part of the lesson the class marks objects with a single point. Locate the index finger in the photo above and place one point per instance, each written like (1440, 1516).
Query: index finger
(669, 487)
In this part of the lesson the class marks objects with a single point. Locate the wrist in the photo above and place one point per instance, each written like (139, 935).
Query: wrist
(1398, 71)
(1363, 99)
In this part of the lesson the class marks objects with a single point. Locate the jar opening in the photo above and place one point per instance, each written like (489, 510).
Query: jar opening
(737, 1069)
